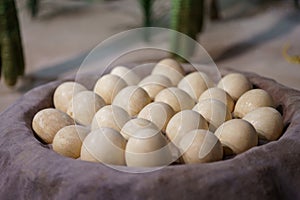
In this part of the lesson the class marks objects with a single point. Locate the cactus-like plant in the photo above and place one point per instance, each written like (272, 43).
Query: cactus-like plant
(187, 17)
(146, 6)
(12, 60)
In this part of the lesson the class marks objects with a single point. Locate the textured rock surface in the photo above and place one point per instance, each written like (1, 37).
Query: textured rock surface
(30, 170)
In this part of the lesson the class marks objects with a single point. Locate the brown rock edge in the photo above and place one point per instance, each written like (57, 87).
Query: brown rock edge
(30, 170)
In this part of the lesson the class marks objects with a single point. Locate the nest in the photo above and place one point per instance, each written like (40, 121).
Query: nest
(31, 170)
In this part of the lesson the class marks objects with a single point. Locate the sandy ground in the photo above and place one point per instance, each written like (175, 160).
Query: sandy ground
(249, 37)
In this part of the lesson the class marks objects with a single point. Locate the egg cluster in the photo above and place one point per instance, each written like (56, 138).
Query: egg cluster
(167, 117)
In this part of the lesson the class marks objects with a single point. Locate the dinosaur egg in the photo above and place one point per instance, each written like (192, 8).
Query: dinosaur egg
(132, 99)
(148, 148)
(169, 68)
(153, 84)
(46, 123)
(235, 85)
(64, 93)
(252, 100)
(214, 111)
(183, 122)
(68, 140)
(176, 98)
(158, 113)
(83, 107)
(200, 146)
(267, 121)
(195, 84)
(218, 94)
(104, 145)
(237, 136)
(134, 125)
(108, 86)
(128, 75)
(110, 116)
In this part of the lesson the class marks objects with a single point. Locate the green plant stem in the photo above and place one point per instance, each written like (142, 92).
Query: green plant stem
(10, 72)
(12, 59)
(187, 17)
(146, 6)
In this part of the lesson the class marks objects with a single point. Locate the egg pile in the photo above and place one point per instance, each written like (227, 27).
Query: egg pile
(167, 117)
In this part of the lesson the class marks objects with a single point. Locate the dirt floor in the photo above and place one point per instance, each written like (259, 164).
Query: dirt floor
(250, 37)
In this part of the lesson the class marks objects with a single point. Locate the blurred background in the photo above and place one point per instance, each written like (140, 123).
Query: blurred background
(52, 37)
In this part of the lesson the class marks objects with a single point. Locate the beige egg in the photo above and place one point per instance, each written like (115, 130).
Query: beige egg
(108, 86)
(219, 94)
(134, 125)
(104, 145)
(200, 146)
(235, 85)
(214, 111)
(68, 140)
(153, 84)
(267, 121)
(169, 68)
(46, 123)
(169, 62)
(195, 84)
(176, 98)
(84, 106)
(130, 77)
(252, 100)
(158, 113)
(148, 148)
(64, 93)
(237, 136)
(110, 116)
(132, 99)
(182, 123)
